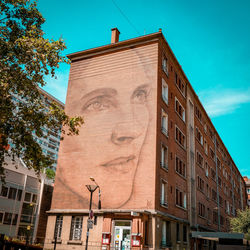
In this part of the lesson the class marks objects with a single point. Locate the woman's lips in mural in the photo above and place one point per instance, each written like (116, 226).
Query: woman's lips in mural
(119, 163)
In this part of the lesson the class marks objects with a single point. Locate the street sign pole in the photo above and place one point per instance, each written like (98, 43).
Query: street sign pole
(91, 189)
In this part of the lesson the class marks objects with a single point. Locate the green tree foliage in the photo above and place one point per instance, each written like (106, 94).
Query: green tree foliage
(241, 223)
(50, 173)
(25, 58)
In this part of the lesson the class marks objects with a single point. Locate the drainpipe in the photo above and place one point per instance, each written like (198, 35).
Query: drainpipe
(38, 209)
(231, 167)
(217, 183)
(241, 196)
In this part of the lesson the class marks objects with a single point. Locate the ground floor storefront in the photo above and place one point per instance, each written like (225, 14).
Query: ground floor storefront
(116, 229)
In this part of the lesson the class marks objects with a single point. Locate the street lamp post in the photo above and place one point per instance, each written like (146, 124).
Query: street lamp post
(92, 189)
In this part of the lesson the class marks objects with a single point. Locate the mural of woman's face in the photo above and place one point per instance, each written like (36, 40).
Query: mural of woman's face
(116, 117)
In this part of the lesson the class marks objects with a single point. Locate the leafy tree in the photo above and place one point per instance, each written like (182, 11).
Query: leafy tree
(25, 58)
(50, 173)
(241, 223)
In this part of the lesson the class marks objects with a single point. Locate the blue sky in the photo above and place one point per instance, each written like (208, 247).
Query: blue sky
(209, 38)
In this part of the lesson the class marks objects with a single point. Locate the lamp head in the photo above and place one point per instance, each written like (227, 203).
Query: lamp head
(91, 178)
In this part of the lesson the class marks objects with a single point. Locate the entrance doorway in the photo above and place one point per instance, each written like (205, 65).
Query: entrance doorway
(122, 235)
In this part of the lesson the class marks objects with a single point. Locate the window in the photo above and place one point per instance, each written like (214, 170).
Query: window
(219, 181)
(76, 228)
(205, 128)
(7, 218)
(202, 210)
(166, 234)
(218, 163)
(207, 191)
(201, 184)
(213, 174)
(164, 156)
(1, 217)
(199, 136)
(180, 137)
(180, 166)
(4, 191)
(222, 220)
(209, 215)
(177, 232)
(34, 198)
(214, 195)
(199, 159)
(27, 197)
(220, 201)
(12, 193)
(164, 122)
(205, 147)
(179, 83)
(19, 194)
(164, 91)
(164, 193)
(58, 227)
(14, 219)
(215, 217)
(198, 113)
(180, 198)
(165, 64)
(212, 155)
(206, 169)
(179, 109)
(184, 233)
(28, 209)
(211, 134)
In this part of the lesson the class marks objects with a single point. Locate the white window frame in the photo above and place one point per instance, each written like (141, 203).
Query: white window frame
(165, 64)
(164, 193)
(76, 228)
(58, 227)
(205, 147)
(164, 157)
(206, 169)
(164, 93)
(164, 125)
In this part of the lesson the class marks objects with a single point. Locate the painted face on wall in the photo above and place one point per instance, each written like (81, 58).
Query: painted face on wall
(116, 117)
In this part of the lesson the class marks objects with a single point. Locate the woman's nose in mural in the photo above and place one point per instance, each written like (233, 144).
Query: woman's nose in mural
(126, 129)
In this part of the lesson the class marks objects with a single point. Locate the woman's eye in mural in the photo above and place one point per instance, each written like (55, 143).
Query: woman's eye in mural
(140, 95)
(97, 104)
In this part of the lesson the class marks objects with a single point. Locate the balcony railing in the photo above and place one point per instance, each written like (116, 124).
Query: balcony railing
(164, 131)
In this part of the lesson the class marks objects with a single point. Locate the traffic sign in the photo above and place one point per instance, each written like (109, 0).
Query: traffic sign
(90, 223)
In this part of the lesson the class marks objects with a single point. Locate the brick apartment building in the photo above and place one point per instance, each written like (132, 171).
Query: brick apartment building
(161, 166)
(247, 181)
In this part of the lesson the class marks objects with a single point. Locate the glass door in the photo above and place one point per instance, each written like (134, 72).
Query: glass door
(122, 239)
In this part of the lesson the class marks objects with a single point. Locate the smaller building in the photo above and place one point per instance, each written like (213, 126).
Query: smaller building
(24, 200)
(247, 181)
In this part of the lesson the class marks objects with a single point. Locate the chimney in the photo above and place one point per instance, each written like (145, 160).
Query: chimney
(115, 35)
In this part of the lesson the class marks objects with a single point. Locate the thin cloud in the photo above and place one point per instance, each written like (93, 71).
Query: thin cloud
(58, 87)
(219, 102)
